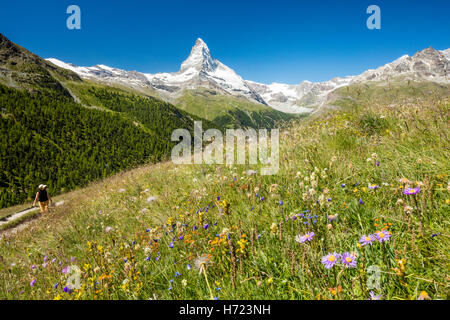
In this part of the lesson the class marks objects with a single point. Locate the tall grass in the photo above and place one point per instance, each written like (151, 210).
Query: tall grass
(201, 232)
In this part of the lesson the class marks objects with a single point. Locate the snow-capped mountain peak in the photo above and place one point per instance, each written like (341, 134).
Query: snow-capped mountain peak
(200, 58)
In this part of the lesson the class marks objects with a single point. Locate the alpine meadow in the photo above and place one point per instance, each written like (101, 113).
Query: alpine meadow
(358, 208)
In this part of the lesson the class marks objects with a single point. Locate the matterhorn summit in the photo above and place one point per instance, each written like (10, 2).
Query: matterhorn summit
(200, 58)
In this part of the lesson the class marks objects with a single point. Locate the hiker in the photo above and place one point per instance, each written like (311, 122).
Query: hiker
(43, 197)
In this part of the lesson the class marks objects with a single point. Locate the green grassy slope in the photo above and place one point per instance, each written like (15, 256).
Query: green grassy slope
(198, 232)
(228, 111)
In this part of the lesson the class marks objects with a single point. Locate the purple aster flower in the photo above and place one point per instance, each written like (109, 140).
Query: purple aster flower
(45, 259)
(373, 186)
(307, 237)
(361, 201)
(382, 236)
(33, 282)
(348, 260)
(65, 270)
(330, 260)
(364, 240)
(411, 191)
(373, 296)
(206, 226)
(171, 245)
(343, 185)
(181, 237)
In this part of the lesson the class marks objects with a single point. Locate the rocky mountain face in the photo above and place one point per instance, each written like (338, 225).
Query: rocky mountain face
(426, 65)
(19, 68)
(201, 70)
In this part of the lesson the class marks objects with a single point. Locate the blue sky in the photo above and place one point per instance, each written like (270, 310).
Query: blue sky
(265, 41)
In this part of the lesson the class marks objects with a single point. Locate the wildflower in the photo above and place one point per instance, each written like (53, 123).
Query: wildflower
(188, 267)
(274, 228)
(382, 236)
(152, 199)
(33, 282)
(404, 181)
(365, 240)
(373, 296)
(306, 237)
(348, 260)
(435, 235)
(423, 296)
(171, 245)
(373, 186)
(343, 185)
(206, 226)
(184, 282)
(270, 280)
(201, 262)
(336, 290)
(65, 270)
(330, 260)
(411, 191)
(67, 290)
(408, 209)
(332, 217)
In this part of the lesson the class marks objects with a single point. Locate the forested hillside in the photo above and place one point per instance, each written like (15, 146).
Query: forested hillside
(62, 131)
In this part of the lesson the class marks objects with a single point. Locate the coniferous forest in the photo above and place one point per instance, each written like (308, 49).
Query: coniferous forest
(46, 137)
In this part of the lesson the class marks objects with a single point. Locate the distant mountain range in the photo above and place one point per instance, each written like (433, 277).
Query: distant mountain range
(201, 71)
